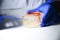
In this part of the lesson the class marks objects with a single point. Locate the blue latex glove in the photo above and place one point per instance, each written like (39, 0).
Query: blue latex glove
(44, 9)
(49, 13)
(49, 1)
(0, 19)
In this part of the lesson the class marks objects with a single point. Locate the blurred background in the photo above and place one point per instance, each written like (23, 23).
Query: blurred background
(18, 8)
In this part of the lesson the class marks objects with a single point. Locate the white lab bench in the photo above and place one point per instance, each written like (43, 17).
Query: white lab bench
(21, 33)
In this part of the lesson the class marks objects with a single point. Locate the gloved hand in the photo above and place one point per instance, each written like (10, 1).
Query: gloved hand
(49, 13)
(43, 9)
(9, 22)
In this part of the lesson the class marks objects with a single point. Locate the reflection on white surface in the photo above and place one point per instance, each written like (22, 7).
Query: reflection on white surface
(21, 33)
(8, 24)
